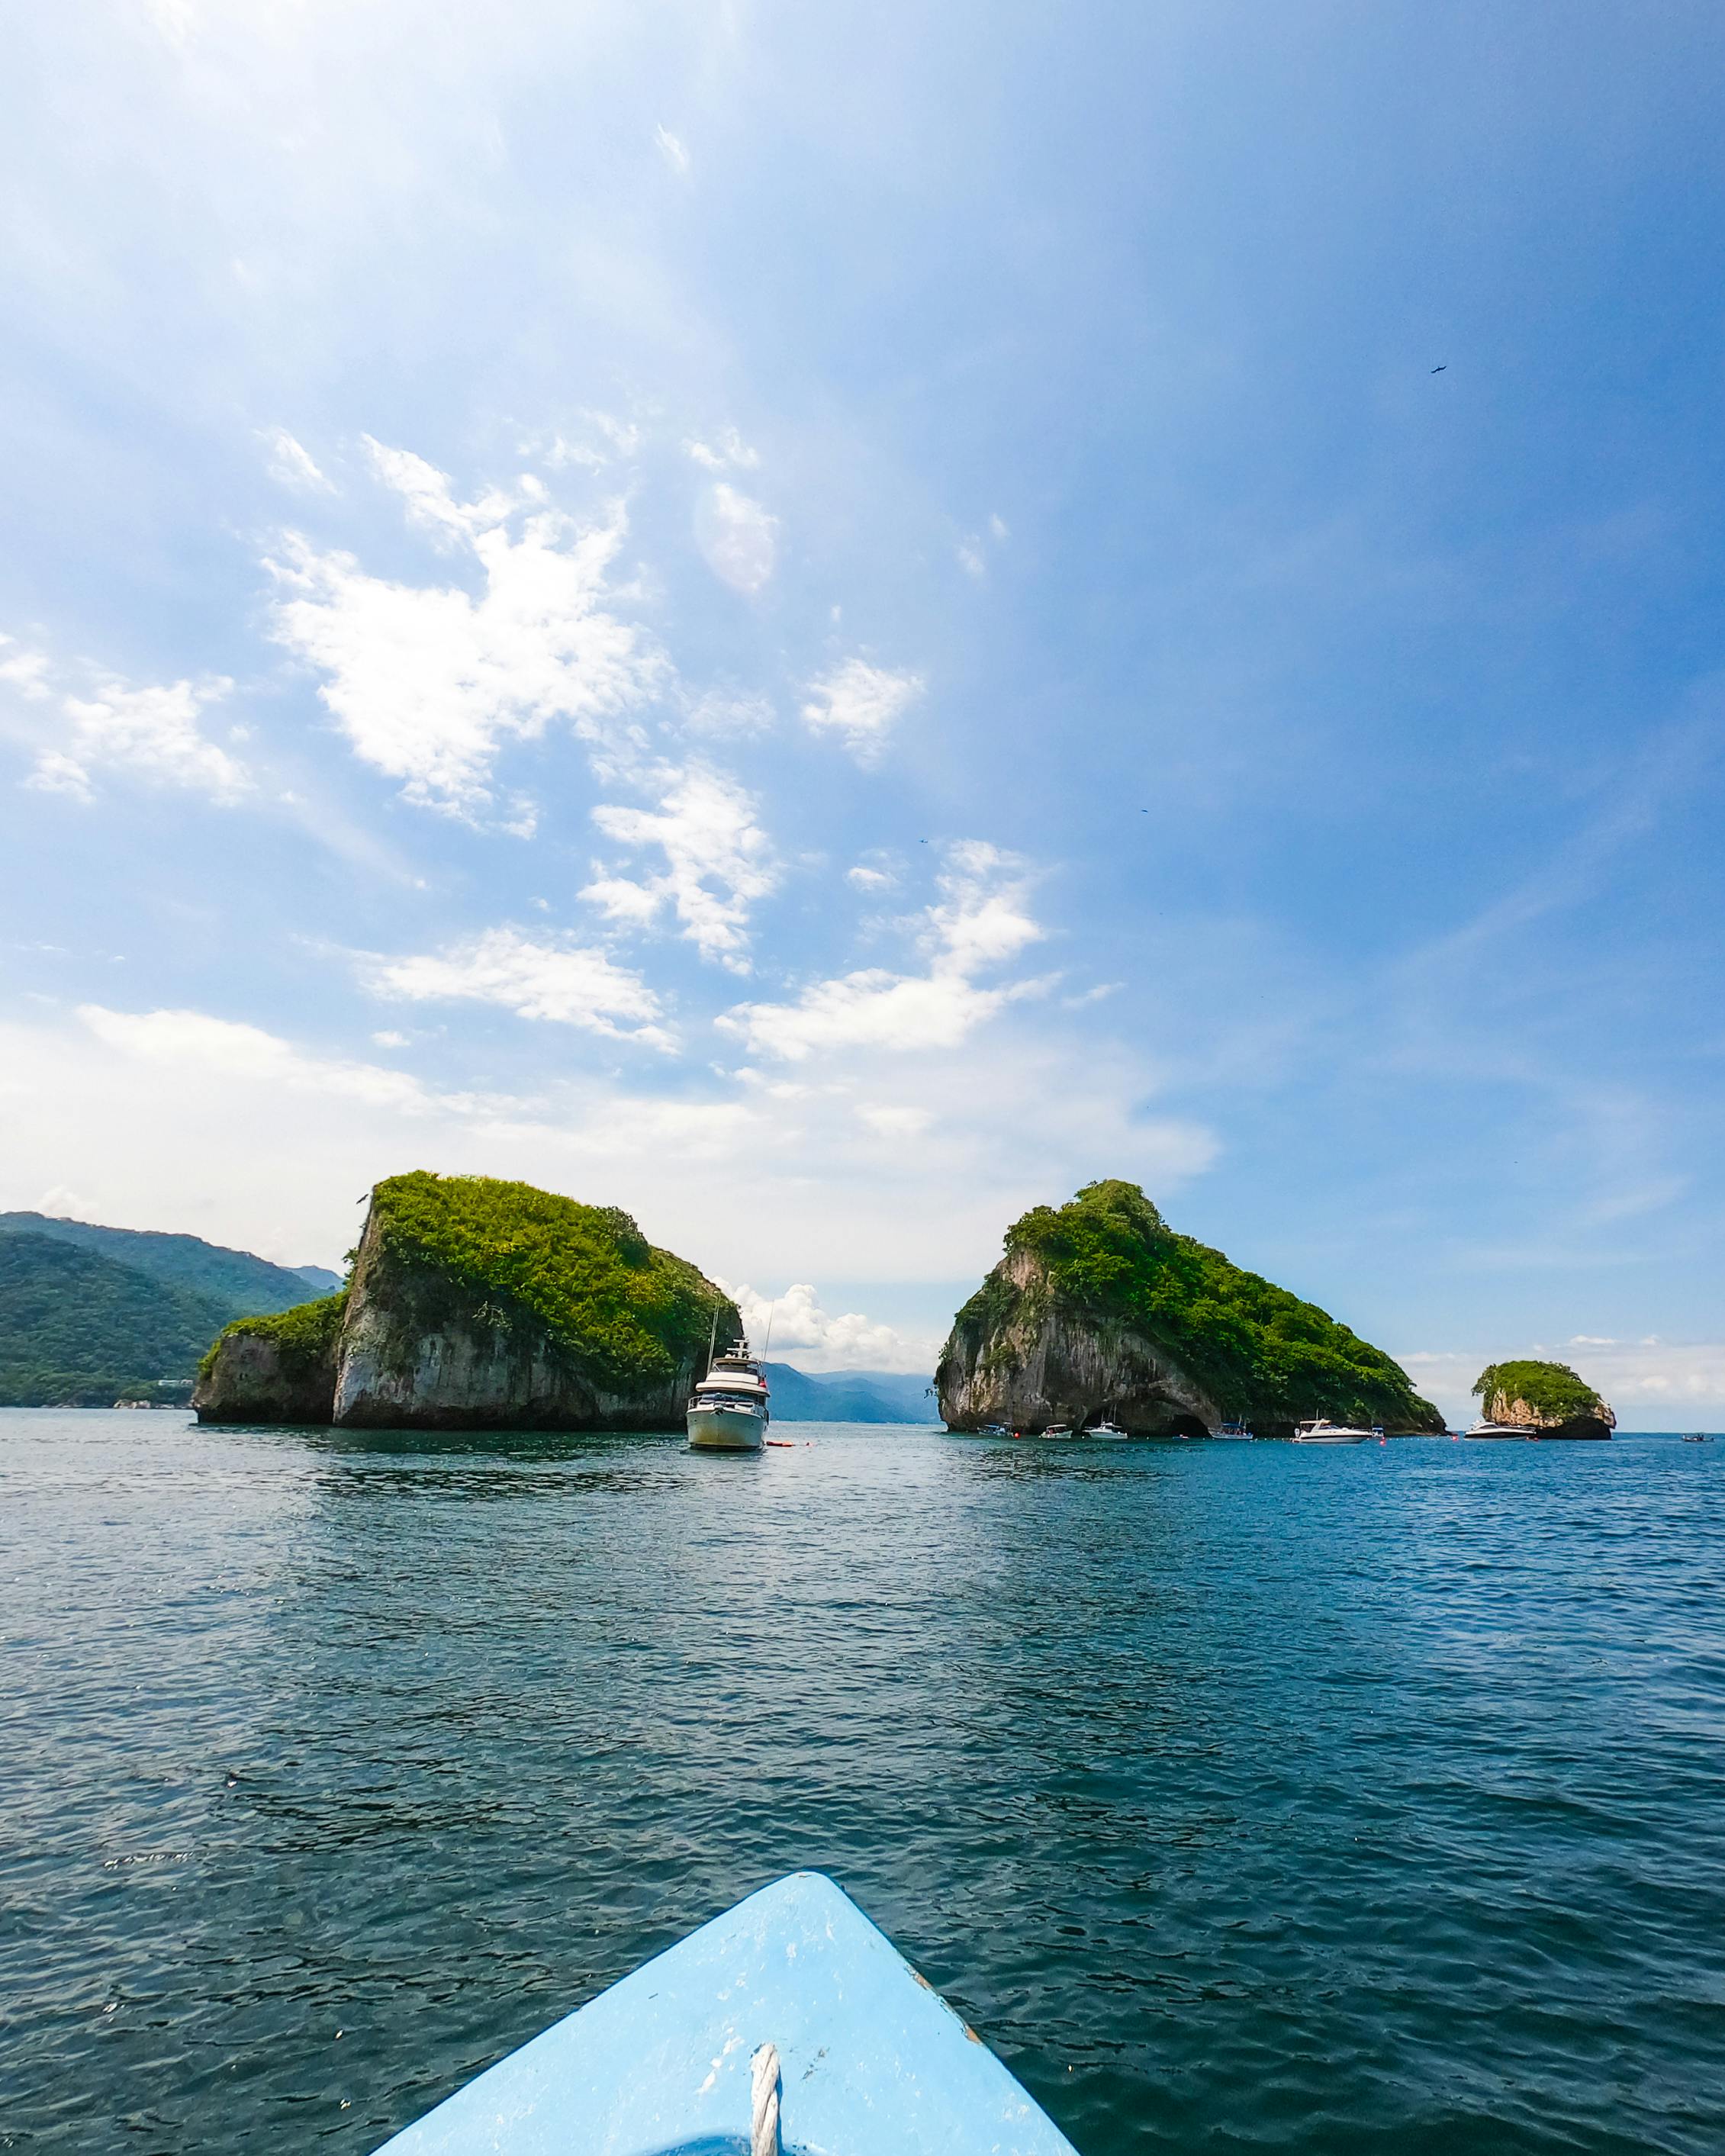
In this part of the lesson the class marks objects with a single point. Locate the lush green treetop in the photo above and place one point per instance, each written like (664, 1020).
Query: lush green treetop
(1257, 1350)
(1550, 1389)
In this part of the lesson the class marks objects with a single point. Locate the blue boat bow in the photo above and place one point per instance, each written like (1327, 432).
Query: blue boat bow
(872, 2061)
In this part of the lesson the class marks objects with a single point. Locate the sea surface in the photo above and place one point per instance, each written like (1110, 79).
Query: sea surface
(1243, 1797)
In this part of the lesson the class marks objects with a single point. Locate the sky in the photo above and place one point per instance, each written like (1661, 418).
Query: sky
(826, 623)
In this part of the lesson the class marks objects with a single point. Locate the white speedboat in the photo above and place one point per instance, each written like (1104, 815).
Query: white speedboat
(1105, 1427)
(1497, 1429)
(1321, 1430)
(1059, 1430)
(728, 1410)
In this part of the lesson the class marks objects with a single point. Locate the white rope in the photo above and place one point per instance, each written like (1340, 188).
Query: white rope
(763, 2101)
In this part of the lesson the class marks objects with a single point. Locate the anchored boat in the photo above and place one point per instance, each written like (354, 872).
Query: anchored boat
(1496, 1430)
(728, 1410)
(789, 2024)
(1322, 1431)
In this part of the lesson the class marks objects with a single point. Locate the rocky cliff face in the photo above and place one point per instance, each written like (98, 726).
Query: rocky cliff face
(1037, 1364)
(477, 1305)
(1098, 1306)
(276, 1368)
(415, 1355)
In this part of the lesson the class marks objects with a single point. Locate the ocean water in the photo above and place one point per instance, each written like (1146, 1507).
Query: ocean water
(1243, 1797)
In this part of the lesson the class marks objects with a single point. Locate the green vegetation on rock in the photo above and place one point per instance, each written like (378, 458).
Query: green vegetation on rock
(626, 1314)
(305, 1336)
(1109, 1258)
(1549, 1389)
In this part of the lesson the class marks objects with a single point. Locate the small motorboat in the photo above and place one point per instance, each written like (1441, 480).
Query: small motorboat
(788, 2024)
(1105, 1427)
(1699, 1437)
(994, 1430)
(728, 1410)
(1321, 1430)
(1058, 1429)
(1498, 1429)
(1236, 1429)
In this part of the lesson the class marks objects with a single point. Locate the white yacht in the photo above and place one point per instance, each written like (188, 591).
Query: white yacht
(728, 1410)
(1059, 1430)
(1496, 1430)
(1321, 1430)
(1106, 1427)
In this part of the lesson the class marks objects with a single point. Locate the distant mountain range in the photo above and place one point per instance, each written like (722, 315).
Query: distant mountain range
(88, 1313)
(849, 1396)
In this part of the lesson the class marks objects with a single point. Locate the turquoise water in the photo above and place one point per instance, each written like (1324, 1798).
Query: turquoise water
(1243, 1796)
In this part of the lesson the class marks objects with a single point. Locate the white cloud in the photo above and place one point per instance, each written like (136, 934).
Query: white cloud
(997, 527)
(608, 440)
(797, 1322)
(730, 453)
(223, 1048)
(730, 714)
(25, 672)
(151, 734)
(718, 862)
(567, 983)
(429, 683)
(872, 1008)
(291, 465)
(970, 558)
(872, 873)
(982, 920)
(897, 1122)
(738, 539)
(980, 923)
(672, 152)
(861, 704)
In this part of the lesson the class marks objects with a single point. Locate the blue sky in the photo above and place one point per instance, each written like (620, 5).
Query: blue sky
(827, 622)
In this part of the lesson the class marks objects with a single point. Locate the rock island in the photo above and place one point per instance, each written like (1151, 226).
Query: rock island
(479, 1304)
(1100, 1307)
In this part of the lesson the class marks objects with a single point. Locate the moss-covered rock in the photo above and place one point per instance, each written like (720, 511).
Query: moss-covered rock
(281, 1367)
(1099, 1304)
(477, 1304)
(1546, 1397)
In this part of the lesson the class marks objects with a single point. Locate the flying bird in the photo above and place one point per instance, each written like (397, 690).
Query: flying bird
(1444, 369)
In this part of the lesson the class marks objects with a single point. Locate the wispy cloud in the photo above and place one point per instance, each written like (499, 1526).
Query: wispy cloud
(674, 151)
(563, 982)
(729, 452)
(718, 862)
(861, 704)
(151, 735)
(291, 465)
(429, 683)
(980, 922)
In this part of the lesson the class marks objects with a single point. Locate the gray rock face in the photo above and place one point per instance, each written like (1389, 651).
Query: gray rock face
(408, 1360)
(1519, 1414)
(1043, 1366)
(252, 1380)
(413, 1348)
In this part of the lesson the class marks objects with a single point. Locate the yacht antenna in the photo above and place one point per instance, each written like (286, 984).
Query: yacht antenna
(713, 1341)
(771, 1307)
